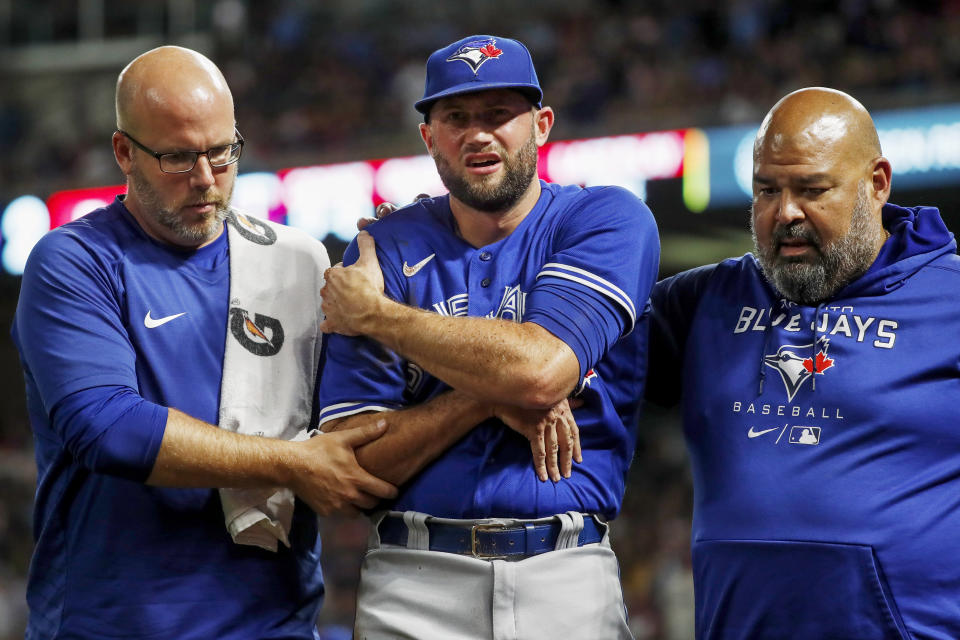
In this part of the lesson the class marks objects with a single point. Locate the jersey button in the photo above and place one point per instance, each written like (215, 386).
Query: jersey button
(485, 282)
(485, 256)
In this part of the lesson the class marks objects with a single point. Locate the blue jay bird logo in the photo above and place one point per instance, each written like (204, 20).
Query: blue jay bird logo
(795, 365)
(477, 52)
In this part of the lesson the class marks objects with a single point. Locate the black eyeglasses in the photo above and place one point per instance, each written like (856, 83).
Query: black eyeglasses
(184, 161)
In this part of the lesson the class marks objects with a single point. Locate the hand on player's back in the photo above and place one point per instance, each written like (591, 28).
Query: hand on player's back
(351, 294)
(383, 210)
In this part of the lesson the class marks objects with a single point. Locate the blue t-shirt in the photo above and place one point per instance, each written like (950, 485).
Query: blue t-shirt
(106, 314)
(824, 442)
(581, 264)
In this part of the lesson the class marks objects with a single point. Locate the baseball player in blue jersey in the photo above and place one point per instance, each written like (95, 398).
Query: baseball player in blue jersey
(127, 323)
(818, 379)
(465, 320)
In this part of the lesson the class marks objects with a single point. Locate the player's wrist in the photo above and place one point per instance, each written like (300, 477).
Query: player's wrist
(484, 410)
(387, 322)
(469, 407)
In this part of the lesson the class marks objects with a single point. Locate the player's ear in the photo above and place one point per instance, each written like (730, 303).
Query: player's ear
(880, 179)
(427, 136)
(543, 123)
(123, 152)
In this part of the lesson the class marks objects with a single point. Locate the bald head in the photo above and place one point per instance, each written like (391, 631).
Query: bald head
(169, 83)
(819, 118)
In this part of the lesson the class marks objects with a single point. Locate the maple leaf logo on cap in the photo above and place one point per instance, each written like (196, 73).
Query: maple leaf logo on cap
(491, 51)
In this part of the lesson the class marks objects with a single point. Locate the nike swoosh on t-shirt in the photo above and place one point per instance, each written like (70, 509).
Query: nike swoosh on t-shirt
(153, 323)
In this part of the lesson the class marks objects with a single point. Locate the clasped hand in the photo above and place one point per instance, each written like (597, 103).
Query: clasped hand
(553, 434)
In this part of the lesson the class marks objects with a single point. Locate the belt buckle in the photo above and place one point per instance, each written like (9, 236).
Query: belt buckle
(490, 526)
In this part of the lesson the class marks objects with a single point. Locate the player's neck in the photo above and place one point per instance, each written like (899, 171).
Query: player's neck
(481, 228)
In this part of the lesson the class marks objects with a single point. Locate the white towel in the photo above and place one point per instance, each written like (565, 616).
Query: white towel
(271, 358)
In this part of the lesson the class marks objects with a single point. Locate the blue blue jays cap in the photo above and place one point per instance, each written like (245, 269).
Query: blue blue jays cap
(479, 63)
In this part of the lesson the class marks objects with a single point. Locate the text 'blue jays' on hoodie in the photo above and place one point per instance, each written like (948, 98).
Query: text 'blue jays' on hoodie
(824, 442)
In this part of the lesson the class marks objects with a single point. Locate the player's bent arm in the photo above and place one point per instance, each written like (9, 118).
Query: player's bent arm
(494, 360)
(415, 436)
(418, 435)
(499, 361)
(323, 471)
(520, 364)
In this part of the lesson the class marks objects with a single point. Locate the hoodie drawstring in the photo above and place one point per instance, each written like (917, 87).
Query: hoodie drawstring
(816, 341)
(766, 343)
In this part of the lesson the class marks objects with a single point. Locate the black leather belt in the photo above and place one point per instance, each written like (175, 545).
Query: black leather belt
(491, 540)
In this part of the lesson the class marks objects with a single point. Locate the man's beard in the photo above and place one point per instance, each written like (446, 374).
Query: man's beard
(171, 220)
(518, 172)
(835, 266)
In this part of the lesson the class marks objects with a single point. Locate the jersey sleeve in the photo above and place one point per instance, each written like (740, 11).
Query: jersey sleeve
(74, 345)
(111, 430)
(68, 324)
(360, 375)
(673, 305)
(595, 284)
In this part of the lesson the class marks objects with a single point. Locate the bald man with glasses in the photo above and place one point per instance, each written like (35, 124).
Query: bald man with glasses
(130, 323)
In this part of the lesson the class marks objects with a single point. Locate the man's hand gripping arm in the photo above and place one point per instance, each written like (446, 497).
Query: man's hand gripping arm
(323, 471)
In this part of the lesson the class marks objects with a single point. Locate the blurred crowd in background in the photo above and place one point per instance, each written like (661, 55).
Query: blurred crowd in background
(332, 81)
(335, 80)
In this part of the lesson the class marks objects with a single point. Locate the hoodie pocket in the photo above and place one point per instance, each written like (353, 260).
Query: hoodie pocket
(790, 589)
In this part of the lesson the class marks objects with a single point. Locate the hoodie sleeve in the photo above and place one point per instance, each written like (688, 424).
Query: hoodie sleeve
(673, 302)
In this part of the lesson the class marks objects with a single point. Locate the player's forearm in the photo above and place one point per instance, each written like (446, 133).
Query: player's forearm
(414, 436)
(495, 360)
(196, 454)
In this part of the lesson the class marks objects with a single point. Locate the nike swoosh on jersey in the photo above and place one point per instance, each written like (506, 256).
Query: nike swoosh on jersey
(153, 323)
(753, 434)
(412, 271)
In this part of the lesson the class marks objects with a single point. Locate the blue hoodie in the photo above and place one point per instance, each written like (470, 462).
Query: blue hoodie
(824, 442)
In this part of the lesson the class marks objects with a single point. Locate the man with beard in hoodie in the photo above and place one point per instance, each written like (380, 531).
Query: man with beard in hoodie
(818, 397)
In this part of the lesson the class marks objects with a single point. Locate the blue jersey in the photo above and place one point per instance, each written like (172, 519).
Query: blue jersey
(580, 264)
(102, 306)
(824, 443)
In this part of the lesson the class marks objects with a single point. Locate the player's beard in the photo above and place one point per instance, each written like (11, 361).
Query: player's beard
(170, 219)
(835, 266)
(487, 194)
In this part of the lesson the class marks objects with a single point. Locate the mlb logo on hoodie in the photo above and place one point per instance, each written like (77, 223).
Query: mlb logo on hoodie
(805, 435)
